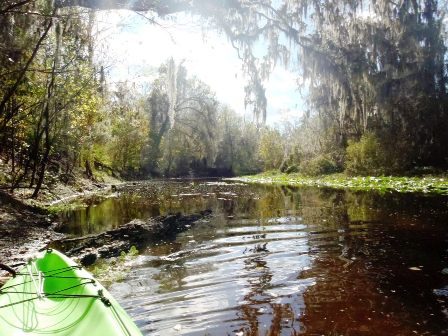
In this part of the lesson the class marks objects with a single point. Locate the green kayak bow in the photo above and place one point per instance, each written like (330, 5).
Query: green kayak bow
(52, 295)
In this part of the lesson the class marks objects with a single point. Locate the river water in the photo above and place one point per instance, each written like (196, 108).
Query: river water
(282, 261)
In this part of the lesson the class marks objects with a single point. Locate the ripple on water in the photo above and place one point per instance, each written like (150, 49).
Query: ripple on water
(219, 281)
(280, 261)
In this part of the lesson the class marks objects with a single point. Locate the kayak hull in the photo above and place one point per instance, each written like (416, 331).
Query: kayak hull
(52, 295)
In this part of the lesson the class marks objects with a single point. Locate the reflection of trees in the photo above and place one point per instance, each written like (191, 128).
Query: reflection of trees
(262, 315)
(172, 272)
(363, 246)
(341, 300)
(256, 296)
(249, 310)
(171, 277)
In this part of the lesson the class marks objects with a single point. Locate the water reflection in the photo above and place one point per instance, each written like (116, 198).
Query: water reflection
(282, 261)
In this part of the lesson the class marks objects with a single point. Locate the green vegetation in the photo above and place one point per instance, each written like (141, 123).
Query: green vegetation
(78, 201)
(109, 271)
(60, 119)
(428, 185)
(60, 207)
(374, 75)
(318, 165)
(365, 156)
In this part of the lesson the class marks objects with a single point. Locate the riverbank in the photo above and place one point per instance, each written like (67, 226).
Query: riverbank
(28, 225)
(437, 185)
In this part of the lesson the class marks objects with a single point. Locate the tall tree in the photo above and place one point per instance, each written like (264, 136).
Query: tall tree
(182, 113)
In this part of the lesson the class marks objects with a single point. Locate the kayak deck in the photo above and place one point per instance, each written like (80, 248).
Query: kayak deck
(52, 295)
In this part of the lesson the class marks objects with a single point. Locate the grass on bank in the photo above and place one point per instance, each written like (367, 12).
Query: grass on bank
(426, 184)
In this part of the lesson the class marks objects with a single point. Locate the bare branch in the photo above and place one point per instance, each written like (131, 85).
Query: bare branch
(10, 7)
(161, 7)
(9, 93)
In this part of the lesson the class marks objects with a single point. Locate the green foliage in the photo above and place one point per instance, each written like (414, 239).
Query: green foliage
(65, 207)
(437, 185)
(129, 132)
(49, 98)
(114, 269)
(183, 123)
(364, 65)
(133, 252)
(271, 148)
(374, 65)
(246, 157)
(292, 169)
(191, 134)
(320, 165)
(366, 156)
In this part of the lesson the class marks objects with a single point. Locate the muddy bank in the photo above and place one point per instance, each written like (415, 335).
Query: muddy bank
(26, 224)
(24, 229)
(138, 233)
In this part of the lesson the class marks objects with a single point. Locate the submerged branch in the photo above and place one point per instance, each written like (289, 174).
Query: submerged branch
(137, 233)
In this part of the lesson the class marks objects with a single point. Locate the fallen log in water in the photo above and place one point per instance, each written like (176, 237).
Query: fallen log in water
(136, 233)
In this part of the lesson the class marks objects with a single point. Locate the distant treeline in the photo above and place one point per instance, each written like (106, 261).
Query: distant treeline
(374, 74)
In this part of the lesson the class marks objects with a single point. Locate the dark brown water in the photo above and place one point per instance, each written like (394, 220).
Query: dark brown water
(281, 261)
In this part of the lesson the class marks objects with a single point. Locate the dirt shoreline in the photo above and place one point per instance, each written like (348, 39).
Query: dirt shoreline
(26, 225)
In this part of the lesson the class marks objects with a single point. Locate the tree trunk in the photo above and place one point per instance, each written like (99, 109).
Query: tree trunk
(89, 172)
(13, 153)
(34, 171)
(46, 117)
(44, 162)
(9, 93)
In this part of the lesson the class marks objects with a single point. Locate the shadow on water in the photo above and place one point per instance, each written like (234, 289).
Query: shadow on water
(283, 261)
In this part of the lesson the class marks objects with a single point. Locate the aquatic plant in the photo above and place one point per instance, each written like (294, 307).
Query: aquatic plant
(427, 184)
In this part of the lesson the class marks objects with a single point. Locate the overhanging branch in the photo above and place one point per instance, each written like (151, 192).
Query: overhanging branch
(161, 7)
